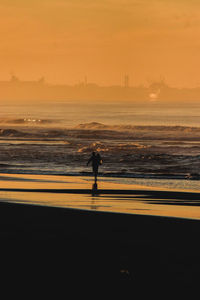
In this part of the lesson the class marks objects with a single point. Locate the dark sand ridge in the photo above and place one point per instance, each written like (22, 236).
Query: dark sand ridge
(143, 193)
(54, 248)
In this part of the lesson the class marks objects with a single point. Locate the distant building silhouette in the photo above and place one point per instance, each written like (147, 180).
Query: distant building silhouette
(126, 81)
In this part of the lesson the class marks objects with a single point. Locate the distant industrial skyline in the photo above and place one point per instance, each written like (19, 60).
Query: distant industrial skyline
(125, 81)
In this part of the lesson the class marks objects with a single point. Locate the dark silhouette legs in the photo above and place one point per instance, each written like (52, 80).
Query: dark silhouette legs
(95, 186)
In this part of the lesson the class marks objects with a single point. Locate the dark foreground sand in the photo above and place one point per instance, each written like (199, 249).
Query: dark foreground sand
(49, 251)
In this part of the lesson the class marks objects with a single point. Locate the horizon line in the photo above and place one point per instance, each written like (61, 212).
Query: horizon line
(15, 79)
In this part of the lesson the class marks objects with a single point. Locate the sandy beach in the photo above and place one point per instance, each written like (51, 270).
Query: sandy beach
(53, 228)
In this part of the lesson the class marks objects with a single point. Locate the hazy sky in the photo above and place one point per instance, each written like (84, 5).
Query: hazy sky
(66, 40)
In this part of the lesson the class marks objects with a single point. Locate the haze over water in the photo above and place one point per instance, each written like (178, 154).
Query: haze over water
(72, 113)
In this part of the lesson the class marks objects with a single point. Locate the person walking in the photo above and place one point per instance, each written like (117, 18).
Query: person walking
(96, 161)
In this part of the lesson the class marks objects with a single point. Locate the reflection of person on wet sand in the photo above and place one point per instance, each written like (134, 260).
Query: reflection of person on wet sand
(96, 160)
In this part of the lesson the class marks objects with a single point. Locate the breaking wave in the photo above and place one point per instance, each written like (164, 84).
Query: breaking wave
(100, 126)
(100, 147)
(99, 131)
(28, 121)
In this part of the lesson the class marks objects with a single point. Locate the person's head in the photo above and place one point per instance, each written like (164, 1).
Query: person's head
(93, 153)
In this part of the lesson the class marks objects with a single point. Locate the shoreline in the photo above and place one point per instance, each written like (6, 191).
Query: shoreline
(115, 175)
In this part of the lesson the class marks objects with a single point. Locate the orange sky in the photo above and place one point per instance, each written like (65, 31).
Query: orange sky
(66, 40)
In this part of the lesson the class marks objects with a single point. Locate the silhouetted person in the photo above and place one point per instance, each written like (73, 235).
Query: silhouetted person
(96, 160)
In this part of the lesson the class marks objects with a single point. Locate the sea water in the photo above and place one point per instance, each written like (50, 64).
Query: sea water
(156, 144)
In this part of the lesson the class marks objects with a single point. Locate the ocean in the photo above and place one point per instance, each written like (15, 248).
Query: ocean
(156, 145)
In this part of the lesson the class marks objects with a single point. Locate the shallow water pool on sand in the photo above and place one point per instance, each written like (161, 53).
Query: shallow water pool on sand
(76, 192)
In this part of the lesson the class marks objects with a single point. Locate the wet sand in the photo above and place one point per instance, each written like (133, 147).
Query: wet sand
(52, 247)
(76, 192)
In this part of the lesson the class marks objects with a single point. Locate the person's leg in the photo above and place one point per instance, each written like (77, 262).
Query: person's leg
(95, 176)
(96, 173)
